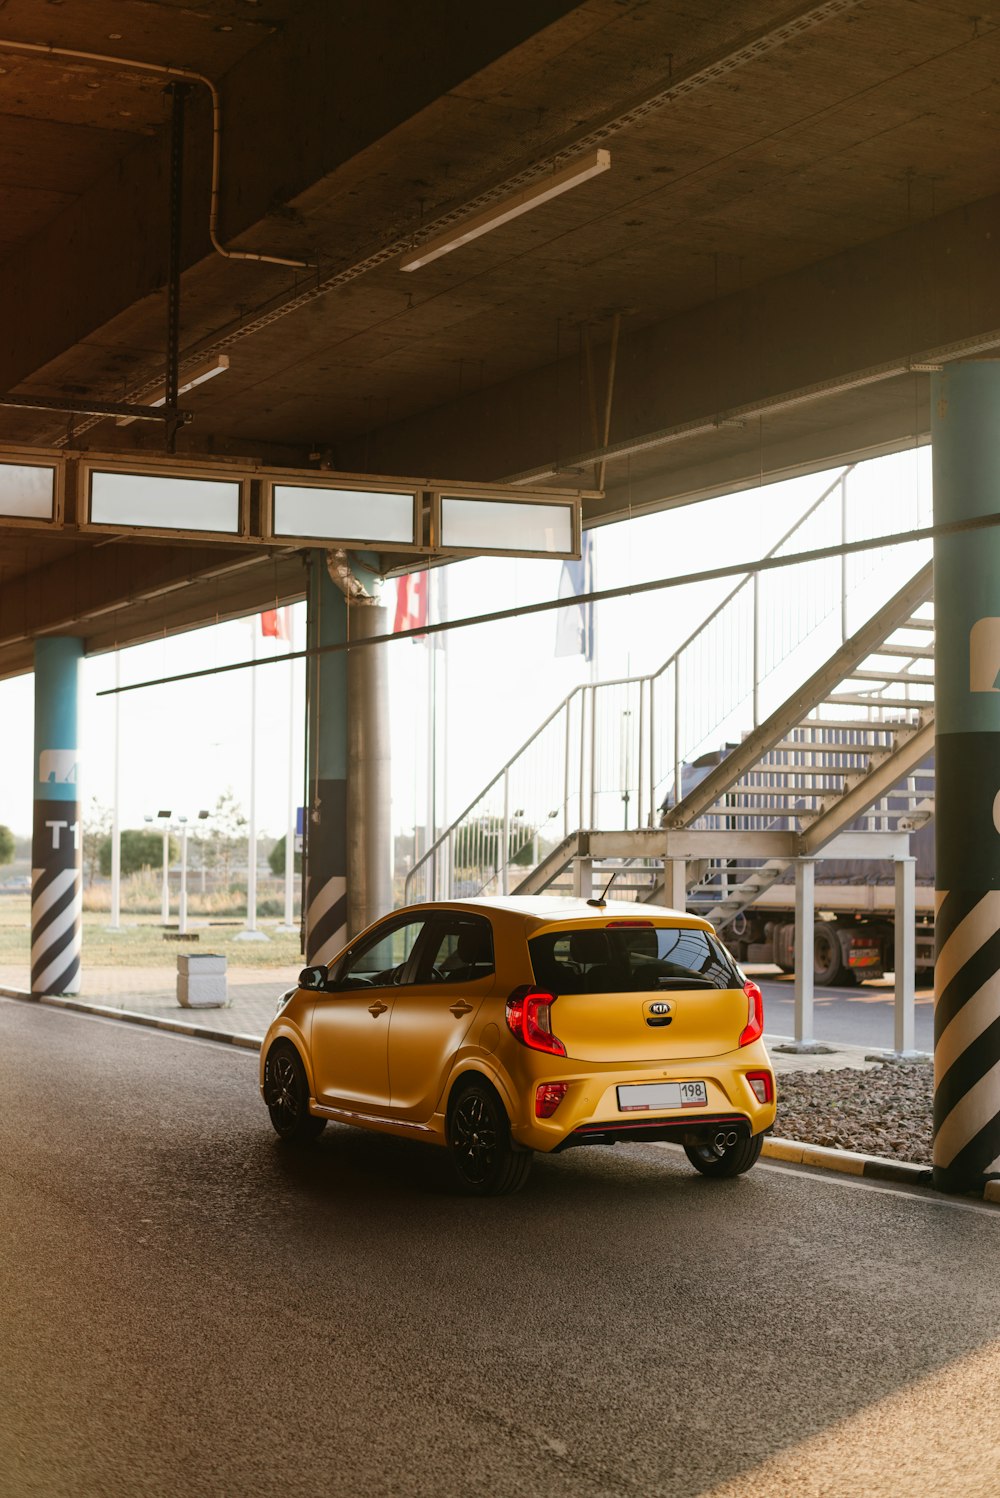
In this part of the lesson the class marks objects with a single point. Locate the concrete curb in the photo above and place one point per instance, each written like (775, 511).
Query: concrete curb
(151, 1021)
(848, 1162)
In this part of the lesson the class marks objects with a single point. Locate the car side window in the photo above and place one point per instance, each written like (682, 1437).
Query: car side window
(459, 949)
(381, 959)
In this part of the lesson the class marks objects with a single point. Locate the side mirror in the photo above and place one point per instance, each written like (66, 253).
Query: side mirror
(313, 977)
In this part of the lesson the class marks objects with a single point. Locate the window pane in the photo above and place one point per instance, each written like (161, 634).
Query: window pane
(176, 504)
(380, 960)
(343, 514)
(26, 492)
(505, 525)
(461, 952)
(631, 959)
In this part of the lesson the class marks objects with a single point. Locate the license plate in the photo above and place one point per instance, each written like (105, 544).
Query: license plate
(647, 1097)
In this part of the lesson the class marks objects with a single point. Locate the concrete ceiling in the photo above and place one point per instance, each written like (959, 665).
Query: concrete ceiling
(802, 212)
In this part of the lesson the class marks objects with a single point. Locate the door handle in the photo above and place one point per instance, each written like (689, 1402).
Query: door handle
(377, 1008)
(460, 1008)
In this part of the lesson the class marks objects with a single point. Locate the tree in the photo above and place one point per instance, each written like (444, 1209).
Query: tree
(225, 834)
(6, 845)
(96, 827)
(142, 848)
(276, 859)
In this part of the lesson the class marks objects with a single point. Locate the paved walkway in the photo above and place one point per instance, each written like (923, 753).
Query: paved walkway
(253, 999)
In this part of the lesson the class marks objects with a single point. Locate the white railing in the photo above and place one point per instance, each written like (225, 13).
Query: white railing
(611, 753)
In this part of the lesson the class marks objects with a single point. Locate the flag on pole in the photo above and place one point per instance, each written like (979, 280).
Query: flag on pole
(411, 603)
(275, 622)
(575, 625)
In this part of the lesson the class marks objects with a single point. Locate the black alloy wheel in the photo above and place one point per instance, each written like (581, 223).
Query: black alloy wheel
(484, 1157)
(286, 1093)
(733, 1161)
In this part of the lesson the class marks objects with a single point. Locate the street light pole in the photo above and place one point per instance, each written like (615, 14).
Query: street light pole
(182, 909)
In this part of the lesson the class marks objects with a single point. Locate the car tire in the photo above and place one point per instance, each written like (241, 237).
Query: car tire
(739, 1157)
(286, 1093)
(484, 1158)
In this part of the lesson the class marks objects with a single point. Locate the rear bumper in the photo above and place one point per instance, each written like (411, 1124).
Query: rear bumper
(656, 1130)
(590, 1108)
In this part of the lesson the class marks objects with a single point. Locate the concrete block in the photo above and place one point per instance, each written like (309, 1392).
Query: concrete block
(201, 981)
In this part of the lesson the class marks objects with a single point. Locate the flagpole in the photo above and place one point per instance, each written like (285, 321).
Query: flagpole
(250, 932)
(431, 735)
(116, 843)
(288, 924)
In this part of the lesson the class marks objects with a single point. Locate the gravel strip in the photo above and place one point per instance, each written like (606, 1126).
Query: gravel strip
(885, 1111)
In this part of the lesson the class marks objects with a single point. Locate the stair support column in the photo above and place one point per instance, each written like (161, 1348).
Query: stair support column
(583, 878)
(965, 435)
(805, 920)
(905, 959)
(678, 883)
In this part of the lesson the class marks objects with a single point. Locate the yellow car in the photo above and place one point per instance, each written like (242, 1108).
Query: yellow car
(499, 1027)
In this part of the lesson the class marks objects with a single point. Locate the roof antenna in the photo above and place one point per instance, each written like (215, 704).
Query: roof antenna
(602, 898)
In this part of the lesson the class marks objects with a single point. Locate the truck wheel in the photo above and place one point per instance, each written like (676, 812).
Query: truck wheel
(828, 962)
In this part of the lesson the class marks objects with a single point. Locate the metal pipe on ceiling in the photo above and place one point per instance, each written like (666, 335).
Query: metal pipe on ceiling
(163, 70)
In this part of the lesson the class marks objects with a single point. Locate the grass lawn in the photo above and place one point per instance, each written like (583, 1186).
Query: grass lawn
(141, 941)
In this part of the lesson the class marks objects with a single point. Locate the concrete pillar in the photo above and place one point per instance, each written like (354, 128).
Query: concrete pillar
(369, 786)
(326, 737)
(805, 921)
(905, 959)
(56, 840)
(965, 431)
(583, 878)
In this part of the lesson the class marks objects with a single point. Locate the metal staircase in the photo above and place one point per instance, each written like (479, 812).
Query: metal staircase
(738, 754)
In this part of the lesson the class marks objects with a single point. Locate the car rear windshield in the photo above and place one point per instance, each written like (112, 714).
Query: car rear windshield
(630, 958)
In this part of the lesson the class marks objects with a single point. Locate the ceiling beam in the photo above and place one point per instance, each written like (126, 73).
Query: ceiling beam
(717, 374)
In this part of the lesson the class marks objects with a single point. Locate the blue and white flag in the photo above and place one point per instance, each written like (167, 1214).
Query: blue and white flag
(575, 626)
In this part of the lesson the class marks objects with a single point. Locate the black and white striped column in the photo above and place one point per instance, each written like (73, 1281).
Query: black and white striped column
(56, 842)
(326, 736)
(966, 436)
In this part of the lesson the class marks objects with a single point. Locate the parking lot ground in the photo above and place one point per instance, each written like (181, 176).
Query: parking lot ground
(199, 1312)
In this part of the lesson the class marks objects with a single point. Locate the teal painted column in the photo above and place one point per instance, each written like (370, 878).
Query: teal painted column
(56, 841)
(965, 430)
(326, 737)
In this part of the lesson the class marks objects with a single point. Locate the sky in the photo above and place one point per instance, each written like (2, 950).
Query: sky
(183, 745)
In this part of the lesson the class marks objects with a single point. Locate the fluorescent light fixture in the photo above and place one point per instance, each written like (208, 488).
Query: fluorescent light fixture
(197, 376)
(588, 166)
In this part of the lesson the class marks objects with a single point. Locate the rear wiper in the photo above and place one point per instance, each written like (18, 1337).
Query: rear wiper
(692, 982)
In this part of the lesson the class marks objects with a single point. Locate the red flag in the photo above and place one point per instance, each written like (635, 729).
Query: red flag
(411, 602)
(274, 622)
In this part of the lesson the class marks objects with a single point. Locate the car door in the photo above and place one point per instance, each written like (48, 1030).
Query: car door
(454, 971)
(350, 1028)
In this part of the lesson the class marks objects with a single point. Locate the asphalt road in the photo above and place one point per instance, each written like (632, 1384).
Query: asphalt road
(190, 1310)
(862, 1015)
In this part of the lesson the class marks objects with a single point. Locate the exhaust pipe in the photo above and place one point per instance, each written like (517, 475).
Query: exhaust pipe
(724, 1140)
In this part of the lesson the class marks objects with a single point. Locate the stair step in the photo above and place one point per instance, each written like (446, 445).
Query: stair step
(855, 699)
(898, 678)
(860, 725)
(907, 652)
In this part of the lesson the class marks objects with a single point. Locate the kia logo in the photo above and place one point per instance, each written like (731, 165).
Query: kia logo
(659, 1007)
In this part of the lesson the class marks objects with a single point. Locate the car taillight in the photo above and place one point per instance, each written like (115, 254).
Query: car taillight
(761, 1085)
(529, 1020)
(755, 1023)
(548, 1097)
